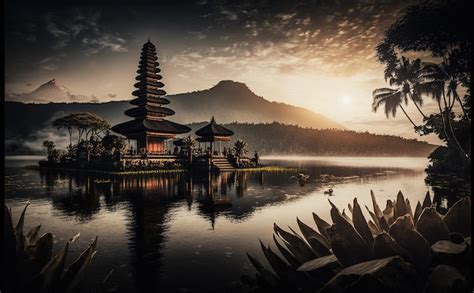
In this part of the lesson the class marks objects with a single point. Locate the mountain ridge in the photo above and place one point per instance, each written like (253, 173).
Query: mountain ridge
(229, 101)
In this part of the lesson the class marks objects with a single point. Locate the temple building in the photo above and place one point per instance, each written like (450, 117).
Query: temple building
(213, 133)
(149, 128)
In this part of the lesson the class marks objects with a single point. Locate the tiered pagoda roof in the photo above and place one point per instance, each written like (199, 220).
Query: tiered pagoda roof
(149, 114)
(213, 132)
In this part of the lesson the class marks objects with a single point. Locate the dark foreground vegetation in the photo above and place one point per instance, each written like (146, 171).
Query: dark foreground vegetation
(29, 262)
(397, 250)
(440, 28)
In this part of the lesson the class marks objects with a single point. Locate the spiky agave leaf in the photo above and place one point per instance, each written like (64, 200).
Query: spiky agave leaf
(390, 274)
(385, 246)
(73, 275)
(346, 243)
(40, 253)
(52, 271)
(360, 224)
(418, 210)
(410, 211)
(446, 279)
(296, 245)
(431, 226)
(403, 240)
(281, 268)
(32, 235)
(458, 218)
(373, 228)
(404, 233)
(268, 277)
(322, 225)
(426, 201)
(20, 238)
(319, 244)
(289, 257)
(400, 206)
(318, 263)
(377, 210)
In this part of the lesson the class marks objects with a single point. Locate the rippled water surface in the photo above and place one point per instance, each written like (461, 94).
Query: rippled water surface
(184, 232)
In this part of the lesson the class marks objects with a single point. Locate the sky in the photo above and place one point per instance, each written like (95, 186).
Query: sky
(316, 54)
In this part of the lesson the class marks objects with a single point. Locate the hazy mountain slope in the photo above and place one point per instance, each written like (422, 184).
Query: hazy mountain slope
(231, 101)
(228, 101)
(51, 90)
(28, 125)
(47, 92)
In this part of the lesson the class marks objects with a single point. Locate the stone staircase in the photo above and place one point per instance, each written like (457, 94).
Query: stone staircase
(222, 164)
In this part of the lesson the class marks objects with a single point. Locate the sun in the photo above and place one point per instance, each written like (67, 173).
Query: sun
(345, 100)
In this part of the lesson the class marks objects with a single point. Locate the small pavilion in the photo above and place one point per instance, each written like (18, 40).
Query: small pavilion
(212, 133)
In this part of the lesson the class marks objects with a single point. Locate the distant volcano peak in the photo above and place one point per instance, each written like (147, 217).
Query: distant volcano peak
(231, 84)
(51, 91)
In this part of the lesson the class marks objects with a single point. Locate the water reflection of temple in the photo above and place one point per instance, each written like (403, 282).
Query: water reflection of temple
(151, 199)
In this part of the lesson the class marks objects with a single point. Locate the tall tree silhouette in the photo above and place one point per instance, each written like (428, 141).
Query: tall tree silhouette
(391, 99)
(405, 75)
(441, 82)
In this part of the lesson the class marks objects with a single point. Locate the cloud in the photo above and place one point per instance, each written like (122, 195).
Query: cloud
(83, 26)
(198, 35)
(106, 41)
(51, 63)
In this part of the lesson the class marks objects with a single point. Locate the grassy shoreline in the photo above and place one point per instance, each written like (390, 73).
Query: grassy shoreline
(161, 171)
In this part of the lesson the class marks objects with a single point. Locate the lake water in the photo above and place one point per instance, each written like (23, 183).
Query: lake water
(190, 233)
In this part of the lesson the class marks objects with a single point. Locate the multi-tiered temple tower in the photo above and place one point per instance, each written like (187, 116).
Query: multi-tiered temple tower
(150, 129)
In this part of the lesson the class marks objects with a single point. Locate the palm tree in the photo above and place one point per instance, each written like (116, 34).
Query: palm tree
(405, 75)
(240, 148)
(190, 143)
(440, 82)
(392, 99)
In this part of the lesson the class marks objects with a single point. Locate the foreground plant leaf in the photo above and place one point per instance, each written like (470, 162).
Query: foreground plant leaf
(403, 257)
(446, 252)
(40, 253)
(280, 267)
(322, 225)
(418, 211)
(426, 201)
(346, 243)
(52, 272)
(296, 245)
(289, 257)
(32, 235)
(318, 263)
(319, 244)
(360, 223)
(73, 275)
(458, 218)
(267, 276)
(401, 208)
(390, 274)
(20, 238)
(431, 226)
(377, 210)
(413, 242)
(446, 279)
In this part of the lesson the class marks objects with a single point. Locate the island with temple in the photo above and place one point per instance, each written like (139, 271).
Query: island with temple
(150, 141)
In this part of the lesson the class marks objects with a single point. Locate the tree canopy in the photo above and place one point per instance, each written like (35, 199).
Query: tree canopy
(84, 123)
(438, 26)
